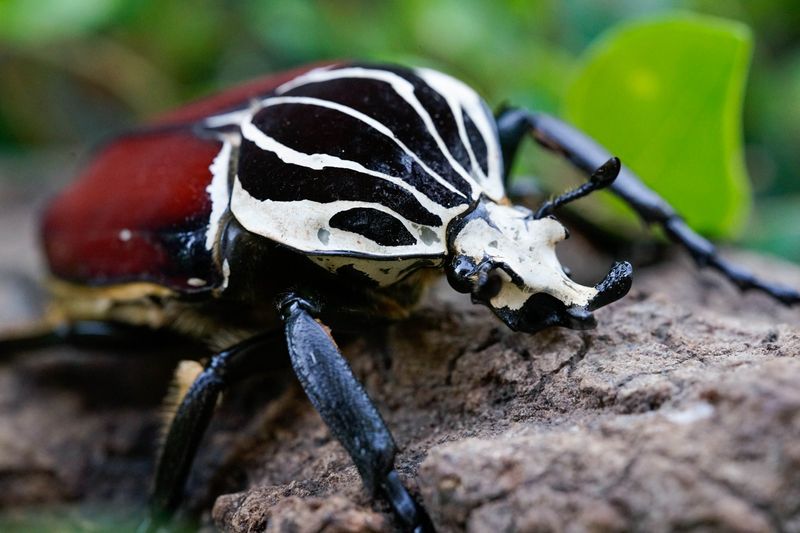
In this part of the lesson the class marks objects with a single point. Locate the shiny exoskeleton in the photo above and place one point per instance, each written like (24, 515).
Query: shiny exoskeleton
(323, 195)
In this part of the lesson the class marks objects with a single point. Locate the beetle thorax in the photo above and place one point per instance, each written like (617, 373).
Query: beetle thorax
(519, 250)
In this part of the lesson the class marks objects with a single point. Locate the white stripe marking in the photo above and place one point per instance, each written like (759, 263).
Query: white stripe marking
(218, 191)
(305, 100)
(458, 95)
(403, 88)
(440, 83)
(297, 224)
(234, 118)
(320, 161)
(383, 272)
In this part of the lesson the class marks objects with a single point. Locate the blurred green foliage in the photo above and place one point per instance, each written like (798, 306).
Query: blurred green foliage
(72, 71)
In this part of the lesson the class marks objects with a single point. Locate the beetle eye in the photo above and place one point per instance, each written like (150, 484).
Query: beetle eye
(488, 286)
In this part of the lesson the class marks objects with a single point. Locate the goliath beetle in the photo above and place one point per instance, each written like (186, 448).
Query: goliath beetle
(325, 195)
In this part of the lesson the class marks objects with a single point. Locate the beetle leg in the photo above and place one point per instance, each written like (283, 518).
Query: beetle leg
(85, 334)
(194, 414)
(587, 155)
(345, 407)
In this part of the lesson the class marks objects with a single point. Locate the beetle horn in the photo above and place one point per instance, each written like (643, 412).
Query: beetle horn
(543, 310)
(614, 286)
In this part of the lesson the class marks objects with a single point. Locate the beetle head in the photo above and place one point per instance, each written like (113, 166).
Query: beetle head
(506, 259)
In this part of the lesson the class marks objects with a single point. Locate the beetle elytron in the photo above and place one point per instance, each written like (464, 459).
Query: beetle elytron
(325, 195)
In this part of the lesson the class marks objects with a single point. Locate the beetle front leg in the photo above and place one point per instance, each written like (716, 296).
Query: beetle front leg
(194, 414)
(587, 155)
(345, 407)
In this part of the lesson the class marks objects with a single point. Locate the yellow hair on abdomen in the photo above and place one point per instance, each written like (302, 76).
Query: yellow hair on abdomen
(185, 374)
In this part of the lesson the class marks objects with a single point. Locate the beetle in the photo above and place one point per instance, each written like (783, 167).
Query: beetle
(327, 196)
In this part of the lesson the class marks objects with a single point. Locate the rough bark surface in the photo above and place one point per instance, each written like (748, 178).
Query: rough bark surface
(681, 411)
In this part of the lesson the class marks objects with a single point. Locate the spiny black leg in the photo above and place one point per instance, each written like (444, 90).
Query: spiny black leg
(588, 155)
(258, 354)
(345, 407)
(512, 127)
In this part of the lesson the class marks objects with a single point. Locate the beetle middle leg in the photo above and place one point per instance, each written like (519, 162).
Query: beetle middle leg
(194, 414)
(345, 407)
(588, 155)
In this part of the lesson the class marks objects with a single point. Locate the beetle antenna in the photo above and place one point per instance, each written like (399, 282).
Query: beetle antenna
(600, 179)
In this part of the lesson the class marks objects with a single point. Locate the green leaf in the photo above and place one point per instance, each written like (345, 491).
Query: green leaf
(665, 95)
(38, 21)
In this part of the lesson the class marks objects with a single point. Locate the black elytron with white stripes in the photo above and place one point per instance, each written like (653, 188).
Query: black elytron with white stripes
(329, 195)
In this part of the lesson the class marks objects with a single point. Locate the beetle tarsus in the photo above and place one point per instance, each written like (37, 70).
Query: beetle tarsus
(706, 255)
(407, 510)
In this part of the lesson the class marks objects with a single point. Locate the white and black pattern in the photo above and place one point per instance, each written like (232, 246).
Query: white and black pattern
(363, 161)
(474, 121)
(439, 101)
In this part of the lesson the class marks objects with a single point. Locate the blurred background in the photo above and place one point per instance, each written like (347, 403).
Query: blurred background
(75, 71)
